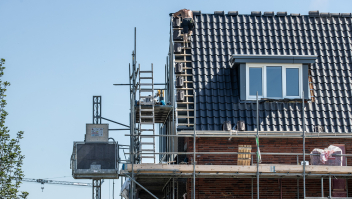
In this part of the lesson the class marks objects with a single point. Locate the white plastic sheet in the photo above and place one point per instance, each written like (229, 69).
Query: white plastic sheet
(326, 153)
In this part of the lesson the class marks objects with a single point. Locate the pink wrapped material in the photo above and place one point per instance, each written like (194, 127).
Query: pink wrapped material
(324, 157)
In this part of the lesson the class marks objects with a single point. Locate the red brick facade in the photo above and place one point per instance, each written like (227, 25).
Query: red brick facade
(269, 188)
(213, 188)
(273, 145)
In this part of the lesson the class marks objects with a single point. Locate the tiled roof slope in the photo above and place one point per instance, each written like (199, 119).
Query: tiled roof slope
(217, 37)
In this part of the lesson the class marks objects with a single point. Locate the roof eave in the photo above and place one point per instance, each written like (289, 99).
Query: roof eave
(292, 59)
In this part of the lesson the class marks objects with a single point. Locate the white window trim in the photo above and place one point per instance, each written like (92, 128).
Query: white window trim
(283, 73)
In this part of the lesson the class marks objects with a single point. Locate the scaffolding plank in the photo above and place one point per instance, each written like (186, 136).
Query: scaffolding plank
(263, 168)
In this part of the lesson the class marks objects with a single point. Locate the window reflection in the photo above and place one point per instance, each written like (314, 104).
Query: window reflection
(255, 81)
(274, 81)
(292, 82)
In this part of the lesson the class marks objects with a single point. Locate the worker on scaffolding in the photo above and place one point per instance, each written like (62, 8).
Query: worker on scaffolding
(187, 22)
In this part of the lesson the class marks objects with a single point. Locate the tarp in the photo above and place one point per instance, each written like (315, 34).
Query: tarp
(125, 189)
(325, 154)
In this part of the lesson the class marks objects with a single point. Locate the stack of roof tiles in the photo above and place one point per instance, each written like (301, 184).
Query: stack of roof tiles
(218, 36)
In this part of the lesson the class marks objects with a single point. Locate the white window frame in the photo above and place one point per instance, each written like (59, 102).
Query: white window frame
(264, 77)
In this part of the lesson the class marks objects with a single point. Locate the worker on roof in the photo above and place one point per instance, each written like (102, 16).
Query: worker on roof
(187, 22)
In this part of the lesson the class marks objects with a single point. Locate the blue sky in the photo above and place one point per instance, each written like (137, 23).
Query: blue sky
(61, 53)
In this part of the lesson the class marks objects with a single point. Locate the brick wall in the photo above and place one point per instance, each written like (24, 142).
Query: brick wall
(269, 188)
(210, 188)
(277, 145)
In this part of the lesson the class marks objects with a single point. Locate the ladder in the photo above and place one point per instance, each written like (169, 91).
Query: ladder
(185, 109)
(146, 115)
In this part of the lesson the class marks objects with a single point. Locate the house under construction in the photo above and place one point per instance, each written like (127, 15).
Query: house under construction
(253, 106)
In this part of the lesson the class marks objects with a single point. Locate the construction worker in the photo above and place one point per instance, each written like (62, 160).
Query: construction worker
(187, 22)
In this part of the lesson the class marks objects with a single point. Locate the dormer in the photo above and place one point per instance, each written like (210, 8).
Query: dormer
(274, 77)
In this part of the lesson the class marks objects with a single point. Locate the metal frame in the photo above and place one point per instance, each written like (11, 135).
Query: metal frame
(135, 130)
(96, 109)
(96, 190)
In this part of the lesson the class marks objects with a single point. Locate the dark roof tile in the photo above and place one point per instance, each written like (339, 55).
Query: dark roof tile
(216, 38)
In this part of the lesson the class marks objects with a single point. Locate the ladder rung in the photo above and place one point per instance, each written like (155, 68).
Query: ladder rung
(147, 136)
(146, 84)
(147, 143)
(182, 61)
(147, 123)
(146, 97)
(147, 116)
(145, 77)
(145, 90)
(147, 110)
(184, 88)
(180, 116)
(146, 103)
(146, 71)
(147, 156)
(178, 55)
(147, 150)
(147, 129)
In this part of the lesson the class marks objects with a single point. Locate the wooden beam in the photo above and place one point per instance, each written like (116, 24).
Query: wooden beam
(263, 168)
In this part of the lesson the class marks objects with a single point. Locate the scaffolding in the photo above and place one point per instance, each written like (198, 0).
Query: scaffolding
(179, 121)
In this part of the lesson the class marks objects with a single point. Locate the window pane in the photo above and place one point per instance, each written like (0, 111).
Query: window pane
(255, 81)
(292, 82)
(274, 81)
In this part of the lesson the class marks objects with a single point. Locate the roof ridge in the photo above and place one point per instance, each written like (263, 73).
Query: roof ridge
(314, 13)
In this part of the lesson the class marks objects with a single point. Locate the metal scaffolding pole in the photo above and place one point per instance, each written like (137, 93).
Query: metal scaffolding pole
(172, 85)
(235, 153)
(132, 78)
(257, 147)
(96, 193)
(322, 187)
(329, 186)
(304, 148)
(232, 175)
(194, 146)
(250, 135)
(141, 186)
(132, 127)
(346, 183)
(97, 110)
(297, 180)
(173, 188)
(297, 188)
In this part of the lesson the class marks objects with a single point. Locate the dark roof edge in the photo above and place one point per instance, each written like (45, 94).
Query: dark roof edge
(293, 59)
(272, 14)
